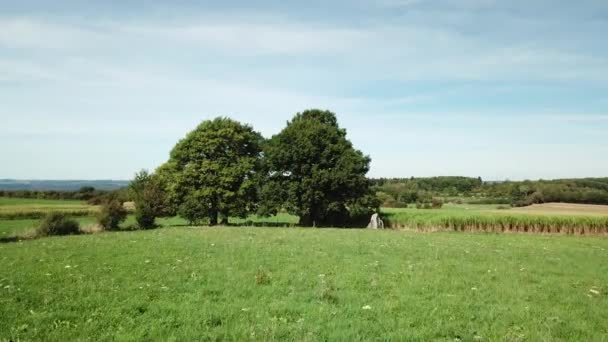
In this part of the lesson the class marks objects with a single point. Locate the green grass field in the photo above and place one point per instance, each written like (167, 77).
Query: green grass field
(304, 284)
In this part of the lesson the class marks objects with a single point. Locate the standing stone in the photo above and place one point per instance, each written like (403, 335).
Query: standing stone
(375, 222)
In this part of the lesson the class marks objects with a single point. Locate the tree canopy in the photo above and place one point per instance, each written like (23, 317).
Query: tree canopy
(314, 172)
(212, 172)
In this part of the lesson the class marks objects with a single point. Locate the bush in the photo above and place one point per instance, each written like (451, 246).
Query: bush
(437, 203)
(145, 216)
(112, 214)
(57, 224)
(147, 190)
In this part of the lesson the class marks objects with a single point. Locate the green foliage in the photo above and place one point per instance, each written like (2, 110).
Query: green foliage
(112, 213)
(145, 216)
(150, 198)
(213, 171)
(474, 191)
(194, 211)
(56, 223)
(314, 172)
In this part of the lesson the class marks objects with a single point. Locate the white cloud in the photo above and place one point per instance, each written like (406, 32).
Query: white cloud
(400, 52)
(23, 32)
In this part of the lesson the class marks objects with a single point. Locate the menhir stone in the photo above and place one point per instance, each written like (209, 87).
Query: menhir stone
(376, 222)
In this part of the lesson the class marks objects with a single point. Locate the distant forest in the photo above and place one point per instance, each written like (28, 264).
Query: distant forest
(399, 192)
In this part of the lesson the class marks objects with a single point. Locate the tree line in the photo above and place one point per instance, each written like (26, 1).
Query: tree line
(399, 192)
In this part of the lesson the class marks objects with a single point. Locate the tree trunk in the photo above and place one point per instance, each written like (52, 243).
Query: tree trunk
(306, 221)
(213, 218)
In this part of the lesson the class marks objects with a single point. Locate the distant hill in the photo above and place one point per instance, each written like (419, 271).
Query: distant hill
(60, 185)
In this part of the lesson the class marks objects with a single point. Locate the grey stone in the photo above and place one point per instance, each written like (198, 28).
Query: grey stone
(375, 222)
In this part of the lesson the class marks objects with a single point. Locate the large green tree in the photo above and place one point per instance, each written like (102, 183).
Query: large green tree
(212, 172)
(314, 172)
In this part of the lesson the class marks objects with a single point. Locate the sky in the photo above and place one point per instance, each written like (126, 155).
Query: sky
(511, 89)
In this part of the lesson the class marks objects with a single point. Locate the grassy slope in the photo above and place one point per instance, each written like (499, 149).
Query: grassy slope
(200, 283)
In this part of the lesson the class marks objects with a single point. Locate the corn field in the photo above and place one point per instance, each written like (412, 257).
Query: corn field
(498, 223)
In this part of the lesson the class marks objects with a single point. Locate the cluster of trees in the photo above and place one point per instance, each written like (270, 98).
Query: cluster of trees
(425, 192)
(399, 192)
(224, 168)
(584, 190)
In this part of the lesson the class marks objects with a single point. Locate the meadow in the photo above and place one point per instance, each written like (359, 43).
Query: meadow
(286, 283)
(241, 283)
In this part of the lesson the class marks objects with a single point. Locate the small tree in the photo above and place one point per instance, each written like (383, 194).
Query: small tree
(112, 213)
(149, 196)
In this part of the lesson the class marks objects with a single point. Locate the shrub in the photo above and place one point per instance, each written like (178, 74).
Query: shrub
(57, 224)
(144, 215)
(437, 203)
(112, 214)
(150, 198)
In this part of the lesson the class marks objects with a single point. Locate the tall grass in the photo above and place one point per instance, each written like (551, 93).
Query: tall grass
(485, 222)
(31, 208)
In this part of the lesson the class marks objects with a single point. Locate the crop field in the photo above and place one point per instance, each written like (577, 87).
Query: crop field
(572, 219)
(25, 208)
(243, 283)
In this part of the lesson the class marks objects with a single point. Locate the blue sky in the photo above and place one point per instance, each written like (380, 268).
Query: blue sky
(497, 89)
